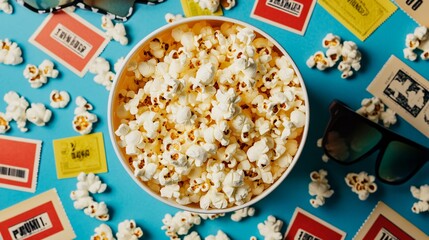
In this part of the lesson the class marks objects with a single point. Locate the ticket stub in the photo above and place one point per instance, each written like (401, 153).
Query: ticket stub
(19, 163)
(292, 15)
(404, 91)
(361, 17)
(40, 217)
(416, 9)
(385, 223)
(192, 8)
(80, 154)
(70, 40)
(305, 226)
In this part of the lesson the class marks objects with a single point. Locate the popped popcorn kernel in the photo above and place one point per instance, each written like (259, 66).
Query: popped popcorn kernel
(412, 43)
(238, 215)
(180, 223)
(375, 110)
(16, 109)
(361, 183)
(211, 5)
(83, 120)
(169, 17)
(213, 115)
(270, 228)
(319, 188)
(219, 236)
(59, 99)
(38, 114)
(6, 7)
(227, 4)
(128, 230)
(101, 68)
(116, 31)
(422, 195)
(102, 232)
(10, 52)
(4, 123)
(38, 76)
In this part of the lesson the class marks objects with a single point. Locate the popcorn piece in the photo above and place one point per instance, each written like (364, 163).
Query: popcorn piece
(331, 41)
(101, 68)
(170, 18)
(421, 33)
(90, 182)
(59, 99)
(211, 5)
(211, 216)
(38, 76)
(16, 108)
(38, 114)
(128, 230)
(410, 54)
(421, 194)
(227, 4)
(270, 228)
(219, 236)
(238, 215)
(319, 187)
(180, 223)
(10, 52)
(98, 211)
(319, 60)
(413, 41)
(361, 184)
(116, 31)
(103, 232)
(375, 110)
(83, 120)
(4, 123)
(6, 7)
(192, 236)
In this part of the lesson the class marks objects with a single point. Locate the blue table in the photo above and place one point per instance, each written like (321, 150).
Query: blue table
(127, 201)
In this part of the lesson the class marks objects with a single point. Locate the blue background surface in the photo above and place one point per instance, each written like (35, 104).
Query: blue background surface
(127, 201)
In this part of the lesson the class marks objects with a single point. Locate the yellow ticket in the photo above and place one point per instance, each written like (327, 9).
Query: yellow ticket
(80, 154)
(191, 8)
(361, 17)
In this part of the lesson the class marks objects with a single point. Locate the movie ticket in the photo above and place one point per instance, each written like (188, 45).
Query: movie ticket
(19, 163)
(416, 9)
(305, 226)
(74, 155)
(70, 40)
(40, 217)
(292, 15)
(404, 91)
(361, 17)
(385, 224)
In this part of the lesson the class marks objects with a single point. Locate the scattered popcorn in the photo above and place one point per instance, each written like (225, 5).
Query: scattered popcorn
(319, 188)
(6, 7)
(83, 120)
(227, 4)
(192, 236)
(375, 110)
(421, 194)
(38, 76)
(413, 41)
(116, 31)
(101, 68)
(215, 116)
(211, 216)
(4, 123)
(38, 114)
(238, 215)
(180, 223)
(170, 18)
(59, 99)
(271, 228)
(103, 232)
(211, 5)
(15, 109)
(362, 184)
(90, 183)
(346, 53)
(10, 52)
(128, 230)
(219, 236)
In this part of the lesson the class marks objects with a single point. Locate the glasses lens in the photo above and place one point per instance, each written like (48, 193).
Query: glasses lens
(348, 137)
(46, 4)
(400, 161)
(120, 8)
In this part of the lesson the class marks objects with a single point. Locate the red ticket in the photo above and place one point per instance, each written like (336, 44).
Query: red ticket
(292, 15)
(40, 217)
(306, 226)
(71, 40)
(19, 163)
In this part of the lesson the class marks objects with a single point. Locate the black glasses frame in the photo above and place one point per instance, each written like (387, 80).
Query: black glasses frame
(80, 4)
(337, 107)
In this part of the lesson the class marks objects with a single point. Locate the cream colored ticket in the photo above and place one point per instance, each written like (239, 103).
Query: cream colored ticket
(40, 217)
(404, 91)
(416, 9)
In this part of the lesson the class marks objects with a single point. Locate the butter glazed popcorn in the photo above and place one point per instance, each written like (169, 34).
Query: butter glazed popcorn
(215, 115)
